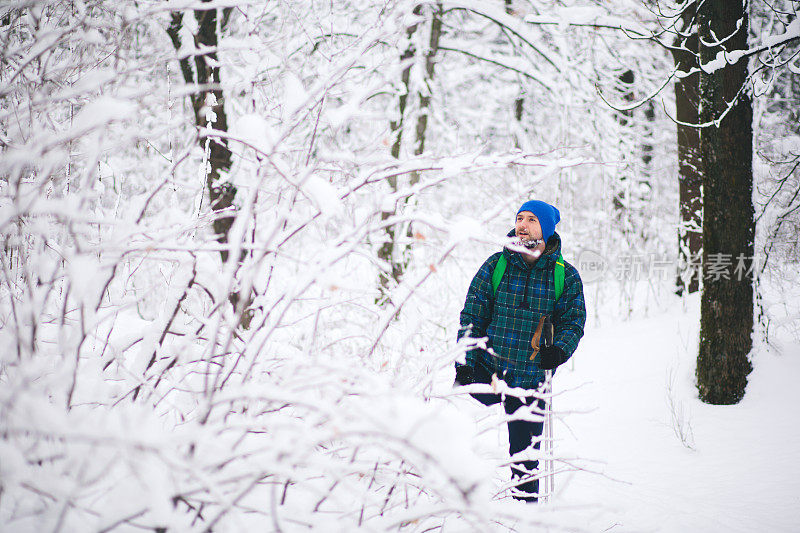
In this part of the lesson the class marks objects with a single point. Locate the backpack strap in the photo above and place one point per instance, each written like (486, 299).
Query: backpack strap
(558, 274)
(499, 270)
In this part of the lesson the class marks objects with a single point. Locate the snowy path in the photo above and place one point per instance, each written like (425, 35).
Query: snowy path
(743, 473)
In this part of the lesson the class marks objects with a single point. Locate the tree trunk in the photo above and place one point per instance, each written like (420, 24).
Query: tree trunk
(426, 91)
(209, 112)
(726, 321)
(386, 252)
(687, 101)
(623, 186)
(519, 102)
(391, 251)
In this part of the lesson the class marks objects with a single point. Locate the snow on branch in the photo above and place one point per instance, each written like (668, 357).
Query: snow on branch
(731, 57)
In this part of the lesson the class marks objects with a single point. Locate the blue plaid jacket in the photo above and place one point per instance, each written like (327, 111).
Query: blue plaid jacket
(510, 317)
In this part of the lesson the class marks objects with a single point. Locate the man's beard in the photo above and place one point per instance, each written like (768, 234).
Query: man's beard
(529, 242)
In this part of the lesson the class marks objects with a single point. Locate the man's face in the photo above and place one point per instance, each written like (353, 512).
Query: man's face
(527, 227)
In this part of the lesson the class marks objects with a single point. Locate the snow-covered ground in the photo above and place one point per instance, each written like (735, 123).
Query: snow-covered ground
(639, 451)
(625, 399)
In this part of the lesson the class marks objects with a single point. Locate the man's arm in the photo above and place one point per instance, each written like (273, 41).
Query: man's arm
(477, 312)
(569, 313)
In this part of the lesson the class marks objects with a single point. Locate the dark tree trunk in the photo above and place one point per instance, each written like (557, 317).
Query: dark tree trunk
(622, 201)
(519, 102)
(389, 252)
(426, 92)
(202, 71)
(386, 252)
(726, 321)
(687, 102)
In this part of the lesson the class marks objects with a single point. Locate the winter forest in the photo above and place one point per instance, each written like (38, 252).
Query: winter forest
(237, 236)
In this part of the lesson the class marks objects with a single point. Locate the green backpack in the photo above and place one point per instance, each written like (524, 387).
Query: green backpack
(558, 274)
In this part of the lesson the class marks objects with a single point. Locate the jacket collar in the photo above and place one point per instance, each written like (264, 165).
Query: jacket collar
(551, 251)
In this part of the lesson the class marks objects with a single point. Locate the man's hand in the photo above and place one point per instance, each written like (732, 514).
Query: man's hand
(464, 375)
(550, 357)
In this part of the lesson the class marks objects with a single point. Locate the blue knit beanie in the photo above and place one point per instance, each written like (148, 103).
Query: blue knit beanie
(547, 214)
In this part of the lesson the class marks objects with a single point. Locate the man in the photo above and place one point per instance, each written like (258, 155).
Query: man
(511, 315)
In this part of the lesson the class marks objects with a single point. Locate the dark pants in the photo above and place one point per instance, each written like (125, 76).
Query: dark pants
(520, 433)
